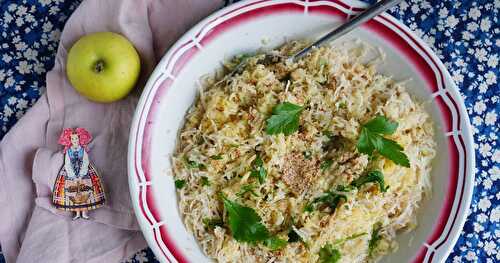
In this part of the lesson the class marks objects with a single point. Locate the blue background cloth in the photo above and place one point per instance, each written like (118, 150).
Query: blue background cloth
(464, 34)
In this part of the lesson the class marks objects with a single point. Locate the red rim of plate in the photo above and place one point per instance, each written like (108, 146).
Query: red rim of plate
(386, 27)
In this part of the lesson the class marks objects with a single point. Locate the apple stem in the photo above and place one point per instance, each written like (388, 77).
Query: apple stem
(99, 66)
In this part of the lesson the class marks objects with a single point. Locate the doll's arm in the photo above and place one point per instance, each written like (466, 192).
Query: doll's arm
(85, 165)
(68, 167)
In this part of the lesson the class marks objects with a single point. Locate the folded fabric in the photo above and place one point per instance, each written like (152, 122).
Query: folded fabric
(31, 229)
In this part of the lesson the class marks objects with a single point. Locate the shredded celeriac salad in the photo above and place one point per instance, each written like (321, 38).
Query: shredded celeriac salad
(318, 160)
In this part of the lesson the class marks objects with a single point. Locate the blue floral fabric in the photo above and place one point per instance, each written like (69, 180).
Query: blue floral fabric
(464, 34)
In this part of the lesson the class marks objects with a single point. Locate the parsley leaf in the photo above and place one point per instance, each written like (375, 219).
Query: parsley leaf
(371, 177)
(259, 172)
(371, 139)
(211, 223)
(284, 119)
(180, 183)
(309, 207)
(329, 254)
(248, 188)
(193, 165)
(275, 243)
(326, 164)
(342, 188)
(375, 238)
(245, 223)
(343, 240)
(382, 125)
(216, 157)
(204, 181)
(330, 199)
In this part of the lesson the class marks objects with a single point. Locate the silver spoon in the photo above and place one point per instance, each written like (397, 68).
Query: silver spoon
(343, 29)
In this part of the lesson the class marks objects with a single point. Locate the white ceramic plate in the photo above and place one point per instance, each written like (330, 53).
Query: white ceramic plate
(241, 28)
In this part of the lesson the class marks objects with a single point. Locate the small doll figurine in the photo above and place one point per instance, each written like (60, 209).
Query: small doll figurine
(78, 187)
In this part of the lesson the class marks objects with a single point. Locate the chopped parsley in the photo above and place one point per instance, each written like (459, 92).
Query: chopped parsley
(193, 165)
(216, 157)
(326, 164)
(371, 139)
(329, 254)
(307, 155)
(309, 207)
(275, 243)
(284, 119)
(322, 62)
(371, 177)
(248, 188)
(328, 134)
(204, 181)
(180, 183)
(375, 238)
(343, 188)
(258, 170)
(330, 199)
(343, 240)
(211, 223)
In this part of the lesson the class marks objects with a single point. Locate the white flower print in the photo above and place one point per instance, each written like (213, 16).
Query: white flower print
(24, 67)
(21, 46)
(47, 26)
(472, 26)
(479, 107)
(12, 100)
(6, 58)
(495, 215)
(485, 149)
(481, 54)
(481, 218)
(474, 13)
(443, 12)
(451, 21)
(45, 2)
(490, 248)
(30, 54)
(491, 78)
(491, 118)
(496, 158)
(484, 204)
(9, 82)
(485, 24)
(493, 61)
(483, 87)
(487, 183)
(22, 104)
(141, 257)
(7, 111)
(471, 256)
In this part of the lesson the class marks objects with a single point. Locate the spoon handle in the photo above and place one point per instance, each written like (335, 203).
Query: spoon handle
(366, 15)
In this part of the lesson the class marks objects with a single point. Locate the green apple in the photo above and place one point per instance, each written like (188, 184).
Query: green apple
(103, 66)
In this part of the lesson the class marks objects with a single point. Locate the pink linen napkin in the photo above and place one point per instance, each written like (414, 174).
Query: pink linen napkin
(31, 230)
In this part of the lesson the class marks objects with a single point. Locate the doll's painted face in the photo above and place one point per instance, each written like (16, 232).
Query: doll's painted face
(75, 141)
